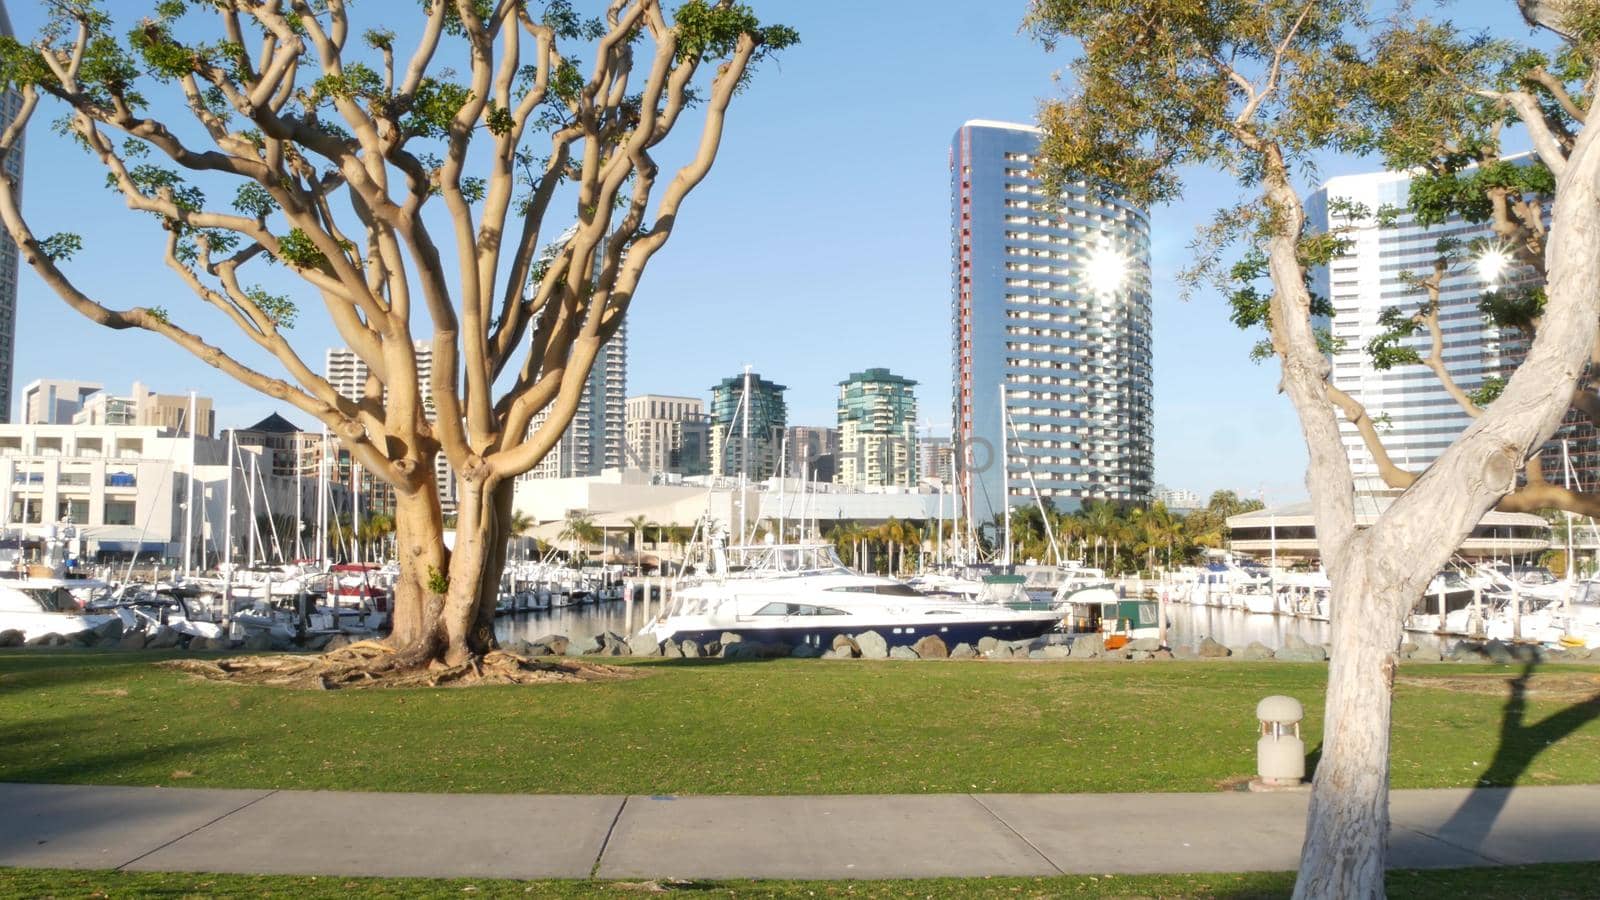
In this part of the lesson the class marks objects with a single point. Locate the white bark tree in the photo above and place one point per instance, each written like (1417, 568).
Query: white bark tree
(337, 152)
(1255, 88)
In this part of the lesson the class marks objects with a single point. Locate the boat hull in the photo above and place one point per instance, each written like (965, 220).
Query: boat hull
(951, 633)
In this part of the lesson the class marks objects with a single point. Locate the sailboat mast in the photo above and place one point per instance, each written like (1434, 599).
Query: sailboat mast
(783, 466)
(299, 493)
(744, 456)
(188, 506)
(254, 532)
(322, 503)
(355, 509)
(227, 528)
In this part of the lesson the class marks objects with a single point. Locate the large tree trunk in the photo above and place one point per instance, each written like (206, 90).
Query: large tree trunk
(1347, 831)
(420, 551)
(469, 600)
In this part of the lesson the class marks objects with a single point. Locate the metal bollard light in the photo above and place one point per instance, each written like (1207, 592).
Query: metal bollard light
(1280, 754)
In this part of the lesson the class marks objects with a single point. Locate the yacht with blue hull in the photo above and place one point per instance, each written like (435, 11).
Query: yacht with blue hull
(802, 594)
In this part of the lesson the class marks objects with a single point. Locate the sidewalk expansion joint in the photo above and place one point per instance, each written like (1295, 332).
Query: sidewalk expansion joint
(197, 828)
(1493, 860)
(1007, 826)
(605, 842)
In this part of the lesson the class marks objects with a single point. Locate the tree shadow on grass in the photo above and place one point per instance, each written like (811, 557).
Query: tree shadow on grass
(72, 749)
(1521, 742)
(24, 669)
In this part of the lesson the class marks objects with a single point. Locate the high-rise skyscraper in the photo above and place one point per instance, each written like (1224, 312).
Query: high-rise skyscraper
(10, 105)
(348, 372)
(1050, 303)
(593, 440)
(1419, 416)
(877, 430)
(747, 432)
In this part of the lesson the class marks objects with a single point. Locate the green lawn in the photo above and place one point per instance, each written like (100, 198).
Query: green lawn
(1548, 882)
(780, 727)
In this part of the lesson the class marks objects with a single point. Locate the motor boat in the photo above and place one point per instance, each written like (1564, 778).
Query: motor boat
(151, 610)
(802, 594)
(1083, 599)
(40, 606)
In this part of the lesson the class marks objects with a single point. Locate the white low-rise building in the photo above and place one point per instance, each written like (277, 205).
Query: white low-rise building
(124, 489)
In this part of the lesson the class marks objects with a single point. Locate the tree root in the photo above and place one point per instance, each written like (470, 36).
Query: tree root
(372, 664)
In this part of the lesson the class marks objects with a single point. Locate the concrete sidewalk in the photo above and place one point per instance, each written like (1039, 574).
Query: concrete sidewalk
(893, 836)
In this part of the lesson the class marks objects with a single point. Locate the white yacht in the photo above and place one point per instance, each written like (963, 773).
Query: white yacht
(802, 593)
(40, 606)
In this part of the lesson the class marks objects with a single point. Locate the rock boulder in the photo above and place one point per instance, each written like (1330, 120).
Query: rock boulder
(11, 637)
(164, 639)
(1303, 653)
(931, 647)
(690, 649)
(1088, 646)
(872, 645)
(133, 640)
(845, 647)
(903, 652)
(1211, 649)
(1255, 650)
(556, 642)
(109, 630)
(1144, 645)
(987, 643)
(963, 651)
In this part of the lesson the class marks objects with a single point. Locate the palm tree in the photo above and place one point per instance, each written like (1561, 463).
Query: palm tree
(521, 523)
(373, 532)
(639, 523)
(579, 529)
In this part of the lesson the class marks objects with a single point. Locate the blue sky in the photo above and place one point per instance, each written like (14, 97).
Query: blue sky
(818, 246)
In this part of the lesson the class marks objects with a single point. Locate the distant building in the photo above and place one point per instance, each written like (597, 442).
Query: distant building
(813, 452)
(124, 490)
(1176, 499)
(1420, 418)
(54, 401)
(667, 434)
(146, 408)
(10, 105)
(348, 373)
(595, 437)
(936, 459)
(1049, 308)
(877, 430)
(747, 432)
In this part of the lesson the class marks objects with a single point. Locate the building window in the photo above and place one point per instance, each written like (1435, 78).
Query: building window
(119, 512)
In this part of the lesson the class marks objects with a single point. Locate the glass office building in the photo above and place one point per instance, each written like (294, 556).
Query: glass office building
(1051, 304)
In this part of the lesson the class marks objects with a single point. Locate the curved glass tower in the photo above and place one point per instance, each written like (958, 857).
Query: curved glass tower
(1053, 309)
